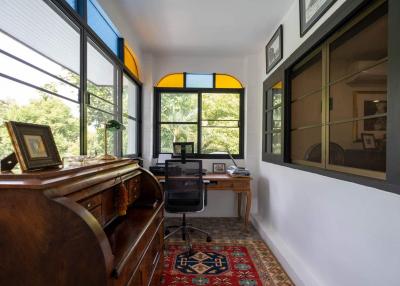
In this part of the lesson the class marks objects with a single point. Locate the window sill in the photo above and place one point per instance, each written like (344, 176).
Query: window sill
(361, 180)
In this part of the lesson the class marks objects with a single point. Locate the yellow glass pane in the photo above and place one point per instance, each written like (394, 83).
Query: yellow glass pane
(172, 80)
(279, 85)
(130, 60)
(226, 81)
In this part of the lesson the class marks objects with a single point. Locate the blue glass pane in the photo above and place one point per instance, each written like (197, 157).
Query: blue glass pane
(102, 25)
(72, 3)
(199, 80)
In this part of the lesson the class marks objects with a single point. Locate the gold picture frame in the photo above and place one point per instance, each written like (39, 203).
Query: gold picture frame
(34, 145)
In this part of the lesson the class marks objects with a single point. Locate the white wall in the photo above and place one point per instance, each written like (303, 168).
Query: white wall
(325, 231)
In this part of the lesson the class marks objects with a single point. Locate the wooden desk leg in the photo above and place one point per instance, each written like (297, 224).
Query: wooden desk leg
(248, 208)
(239, 206)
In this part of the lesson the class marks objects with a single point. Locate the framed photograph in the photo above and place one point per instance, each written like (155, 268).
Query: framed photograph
(219, 168)
(370, 103)
(311, 11)
(274, 49)
(34, 145)
(369, 142)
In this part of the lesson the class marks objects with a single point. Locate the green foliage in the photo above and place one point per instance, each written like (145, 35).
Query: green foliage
(63, 118)
(220, 116)
(47, 110)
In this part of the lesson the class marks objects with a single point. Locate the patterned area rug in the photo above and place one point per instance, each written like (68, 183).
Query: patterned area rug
(231, 263)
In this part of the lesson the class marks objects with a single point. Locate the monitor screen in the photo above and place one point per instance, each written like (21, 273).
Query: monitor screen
(179, 146)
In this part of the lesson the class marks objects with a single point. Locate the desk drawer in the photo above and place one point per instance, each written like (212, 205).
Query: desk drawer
(222, 185)
(92, 202)
(133, 186)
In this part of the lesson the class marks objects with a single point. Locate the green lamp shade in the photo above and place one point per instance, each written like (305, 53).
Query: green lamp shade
(114, 125)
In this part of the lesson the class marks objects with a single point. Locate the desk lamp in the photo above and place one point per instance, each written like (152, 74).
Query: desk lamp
(113, 126)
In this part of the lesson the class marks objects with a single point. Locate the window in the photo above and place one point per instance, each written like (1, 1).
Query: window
(39, 72)
(273, 119)
(102, 25)
(130, 61)
(210, 118)
(339, 100)
(102, 103)
(41, 80)
(130, 110)
(199, 80)
(73, 3)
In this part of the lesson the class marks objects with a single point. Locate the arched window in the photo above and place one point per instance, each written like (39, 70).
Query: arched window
(191, 80)
(206, 109)
(130, 60)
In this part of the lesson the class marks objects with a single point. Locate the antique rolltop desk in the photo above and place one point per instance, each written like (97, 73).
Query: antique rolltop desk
(98, 224)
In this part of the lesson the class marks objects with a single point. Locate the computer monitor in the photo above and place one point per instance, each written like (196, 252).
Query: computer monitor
(183, 149)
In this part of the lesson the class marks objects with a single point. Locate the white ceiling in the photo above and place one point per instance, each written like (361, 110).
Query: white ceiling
(204, 27)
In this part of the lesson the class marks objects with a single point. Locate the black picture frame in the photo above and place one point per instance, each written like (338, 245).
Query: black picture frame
(269, 49)
(34, 145)
(305, 26)
(368, 141)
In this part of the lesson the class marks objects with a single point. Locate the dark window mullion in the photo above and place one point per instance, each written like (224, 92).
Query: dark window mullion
(199, 121)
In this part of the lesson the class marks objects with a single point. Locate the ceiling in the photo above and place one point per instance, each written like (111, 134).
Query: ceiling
(203, 27)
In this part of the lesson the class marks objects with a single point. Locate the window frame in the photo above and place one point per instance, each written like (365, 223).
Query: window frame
(79, 18)
(276, 77)
(157, 119)
(138, 118)
(326, 123)
(339, 19)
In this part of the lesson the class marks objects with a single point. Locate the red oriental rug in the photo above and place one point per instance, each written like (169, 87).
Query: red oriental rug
(233, 263)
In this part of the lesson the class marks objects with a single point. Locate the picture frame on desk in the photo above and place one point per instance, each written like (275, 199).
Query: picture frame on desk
(219, 168)
(34, 145)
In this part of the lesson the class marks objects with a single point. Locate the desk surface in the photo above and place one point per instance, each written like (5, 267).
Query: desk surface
(219, 177)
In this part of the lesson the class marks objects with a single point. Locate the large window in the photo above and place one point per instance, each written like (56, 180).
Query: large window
(130, 115)
(210, 118)
(39, 72)
(339, 100)
(55, 71)
(102, 103)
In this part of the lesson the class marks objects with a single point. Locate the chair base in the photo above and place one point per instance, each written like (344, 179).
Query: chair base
(185, 230)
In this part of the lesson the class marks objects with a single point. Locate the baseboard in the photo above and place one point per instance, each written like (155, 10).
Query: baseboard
(292, 265)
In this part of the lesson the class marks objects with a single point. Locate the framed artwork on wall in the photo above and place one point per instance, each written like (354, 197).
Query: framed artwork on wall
(311, 11)
(274, 49)
(372, 104)
(34, 145)
(368, 141)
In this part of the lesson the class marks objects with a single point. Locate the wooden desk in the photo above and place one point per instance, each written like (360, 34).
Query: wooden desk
(224, 182)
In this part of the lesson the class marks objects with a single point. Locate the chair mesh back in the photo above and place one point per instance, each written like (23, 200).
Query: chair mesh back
(183, 185)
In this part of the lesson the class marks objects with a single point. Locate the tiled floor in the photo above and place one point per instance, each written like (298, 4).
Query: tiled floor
(219, 228)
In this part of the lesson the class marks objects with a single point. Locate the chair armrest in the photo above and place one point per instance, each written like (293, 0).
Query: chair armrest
(205, 182)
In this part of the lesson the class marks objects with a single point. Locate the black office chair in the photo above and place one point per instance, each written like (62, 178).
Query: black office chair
(185, 192)
(336, 154)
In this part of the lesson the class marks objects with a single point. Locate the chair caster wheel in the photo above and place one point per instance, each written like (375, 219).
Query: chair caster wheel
(209, 239)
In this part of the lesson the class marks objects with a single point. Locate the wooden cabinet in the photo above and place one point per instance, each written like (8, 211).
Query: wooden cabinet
(65, 227)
